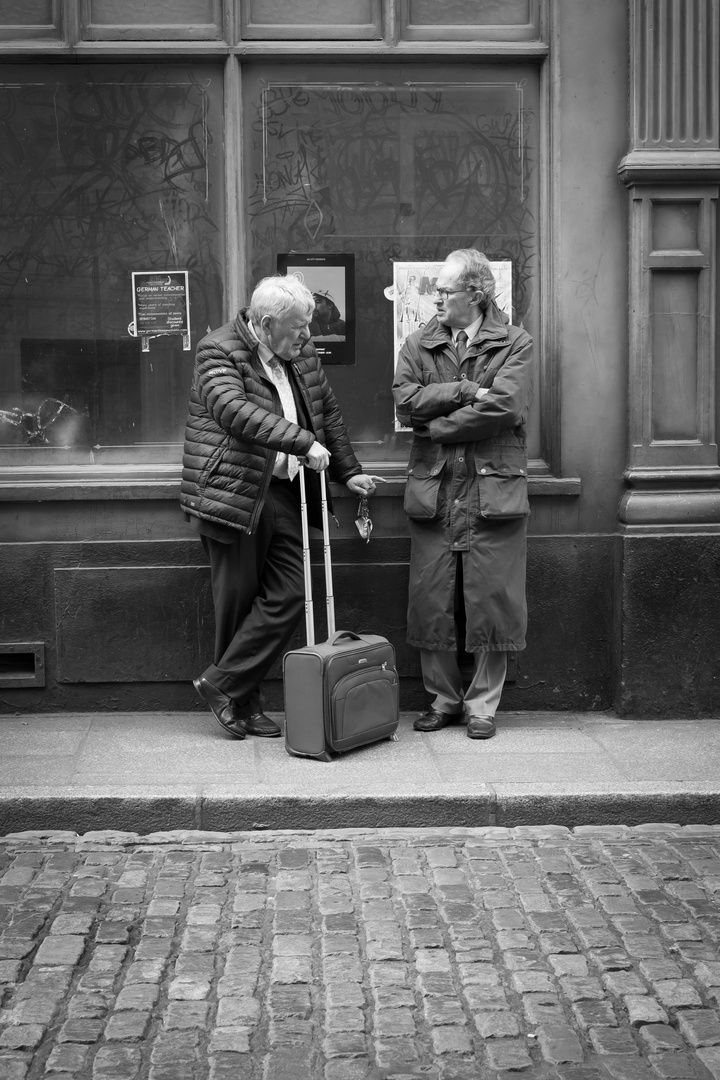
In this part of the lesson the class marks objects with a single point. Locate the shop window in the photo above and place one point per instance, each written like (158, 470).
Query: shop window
(105, 171)
(390, 165)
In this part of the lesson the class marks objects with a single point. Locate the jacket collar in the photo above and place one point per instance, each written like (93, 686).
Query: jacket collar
(492, 329)
(246, 339)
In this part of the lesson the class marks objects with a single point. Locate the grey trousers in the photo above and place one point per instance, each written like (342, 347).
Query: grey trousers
(442, 678)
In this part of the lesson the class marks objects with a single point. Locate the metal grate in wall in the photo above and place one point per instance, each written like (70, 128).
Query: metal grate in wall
(22, 664)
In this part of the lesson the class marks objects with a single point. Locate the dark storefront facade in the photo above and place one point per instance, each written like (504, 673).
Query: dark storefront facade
(196, 142)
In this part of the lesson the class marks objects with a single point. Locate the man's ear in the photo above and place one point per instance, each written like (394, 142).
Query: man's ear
(265, 323)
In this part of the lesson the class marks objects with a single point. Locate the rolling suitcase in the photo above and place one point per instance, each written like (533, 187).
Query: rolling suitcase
(343, 692)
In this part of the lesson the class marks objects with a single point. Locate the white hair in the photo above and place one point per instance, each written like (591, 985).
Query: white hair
(277, 296)
(476, 273)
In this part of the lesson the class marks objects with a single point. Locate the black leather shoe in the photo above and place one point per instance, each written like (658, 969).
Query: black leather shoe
(223, 708)
(434, 721)
(260, 724)
(480, 727)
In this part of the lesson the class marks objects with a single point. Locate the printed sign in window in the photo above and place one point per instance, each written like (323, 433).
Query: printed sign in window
(161, 305)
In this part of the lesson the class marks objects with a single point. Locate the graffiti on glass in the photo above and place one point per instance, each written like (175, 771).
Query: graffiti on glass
(394, 169)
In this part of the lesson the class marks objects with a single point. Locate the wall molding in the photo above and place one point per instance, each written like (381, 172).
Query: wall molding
(130, 482)
(670, 166)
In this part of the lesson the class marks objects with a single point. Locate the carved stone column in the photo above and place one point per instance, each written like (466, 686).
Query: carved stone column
(672, 173)
(669, 615)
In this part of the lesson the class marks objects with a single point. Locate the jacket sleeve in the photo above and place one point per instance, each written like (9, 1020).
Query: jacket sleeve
(417, 403)
(343, 463)
(222, 389)
(504, 406)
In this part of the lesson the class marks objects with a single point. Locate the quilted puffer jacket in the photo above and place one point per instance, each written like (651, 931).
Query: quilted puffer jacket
(235, 427)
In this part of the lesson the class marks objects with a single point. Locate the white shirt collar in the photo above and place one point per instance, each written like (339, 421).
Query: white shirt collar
(470, 330)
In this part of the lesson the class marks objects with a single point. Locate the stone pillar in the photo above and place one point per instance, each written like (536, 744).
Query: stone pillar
(670, 513)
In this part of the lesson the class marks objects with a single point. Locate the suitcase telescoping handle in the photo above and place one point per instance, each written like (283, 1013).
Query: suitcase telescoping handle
(329, 598)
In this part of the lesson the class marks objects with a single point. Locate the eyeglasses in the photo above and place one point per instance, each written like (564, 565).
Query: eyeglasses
(444, 293)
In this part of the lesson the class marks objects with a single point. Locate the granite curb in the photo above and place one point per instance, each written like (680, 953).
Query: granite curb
(617, 833)
(223, 808)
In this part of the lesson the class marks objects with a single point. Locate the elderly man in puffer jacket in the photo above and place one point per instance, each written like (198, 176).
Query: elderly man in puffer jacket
(260, 401)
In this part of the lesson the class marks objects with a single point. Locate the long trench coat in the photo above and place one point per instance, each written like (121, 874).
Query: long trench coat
(466, 493)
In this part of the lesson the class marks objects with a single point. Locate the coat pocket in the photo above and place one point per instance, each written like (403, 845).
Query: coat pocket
(503, 496)
(422, 490)
(212, 464)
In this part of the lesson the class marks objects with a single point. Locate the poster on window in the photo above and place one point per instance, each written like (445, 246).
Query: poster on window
(161, 305)
(331, 280)
(413, 293)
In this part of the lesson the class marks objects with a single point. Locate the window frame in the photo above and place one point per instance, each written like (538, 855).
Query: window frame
(134, 480)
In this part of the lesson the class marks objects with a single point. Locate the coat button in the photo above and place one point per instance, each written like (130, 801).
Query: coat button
(483, 471)
(522, 472)
(461, 459)
(463, 375)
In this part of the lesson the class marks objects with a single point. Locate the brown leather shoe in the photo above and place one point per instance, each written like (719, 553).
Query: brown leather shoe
(260, 724)
(222, 707)
(480, 727)
(432, 720)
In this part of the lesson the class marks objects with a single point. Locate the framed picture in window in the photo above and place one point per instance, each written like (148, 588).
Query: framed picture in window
(331, 280)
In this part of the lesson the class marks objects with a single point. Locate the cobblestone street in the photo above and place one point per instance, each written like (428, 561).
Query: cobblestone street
(449, 954)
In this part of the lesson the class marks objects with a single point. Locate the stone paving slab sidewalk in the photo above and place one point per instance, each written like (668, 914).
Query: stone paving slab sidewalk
(148, 771)
(447, 954)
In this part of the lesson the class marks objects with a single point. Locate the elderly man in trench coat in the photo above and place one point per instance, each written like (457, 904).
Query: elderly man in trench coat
(463, 383)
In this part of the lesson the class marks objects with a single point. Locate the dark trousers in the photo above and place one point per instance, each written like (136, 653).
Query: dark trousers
(259, 596)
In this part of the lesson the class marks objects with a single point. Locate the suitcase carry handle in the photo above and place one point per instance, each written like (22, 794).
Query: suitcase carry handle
(344, 633)
(329, 597)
